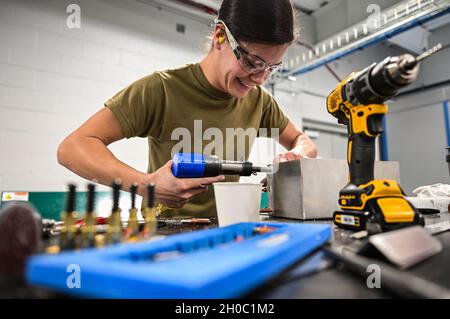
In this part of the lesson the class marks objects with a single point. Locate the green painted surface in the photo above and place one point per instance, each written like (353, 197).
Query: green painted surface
(51, 204)
(264, 200)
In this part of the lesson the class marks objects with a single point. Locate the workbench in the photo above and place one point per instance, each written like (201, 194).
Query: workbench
(316, 276)
(331, 281)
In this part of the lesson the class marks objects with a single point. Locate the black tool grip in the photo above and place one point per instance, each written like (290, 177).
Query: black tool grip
(133, 191)
(71, 196)
(362, 158)
(90, 203)
(151, 198)
(212, 169)
(117, 185)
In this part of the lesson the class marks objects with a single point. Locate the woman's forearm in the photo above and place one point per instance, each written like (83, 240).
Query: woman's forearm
(90, 158)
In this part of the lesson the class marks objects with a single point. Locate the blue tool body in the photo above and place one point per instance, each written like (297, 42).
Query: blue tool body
(192, 165)
(188, 165)
(216, 263)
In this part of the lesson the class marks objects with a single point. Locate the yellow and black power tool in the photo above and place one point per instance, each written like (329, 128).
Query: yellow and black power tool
(358, 103)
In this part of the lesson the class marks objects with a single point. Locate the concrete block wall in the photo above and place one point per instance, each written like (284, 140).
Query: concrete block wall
(53, 78)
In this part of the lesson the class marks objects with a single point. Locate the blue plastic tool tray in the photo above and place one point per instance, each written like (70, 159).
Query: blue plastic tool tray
(216, 263)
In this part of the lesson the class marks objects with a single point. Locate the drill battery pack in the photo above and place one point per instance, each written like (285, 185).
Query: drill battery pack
(379, 205)
(380, 216)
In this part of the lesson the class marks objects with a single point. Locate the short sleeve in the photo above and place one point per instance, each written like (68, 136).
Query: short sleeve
(139, 108)
(272, 115)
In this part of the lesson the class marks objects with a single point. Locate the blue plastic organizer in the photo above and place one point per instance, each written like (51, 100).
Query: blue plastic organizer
(215, 263)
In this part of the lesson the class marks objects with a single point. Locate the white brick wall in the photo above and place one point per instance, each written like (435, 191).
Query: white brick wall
(61, 44)
(16, 34)
(4, 54)
(17, 76)
(27, 99)
(53, 78)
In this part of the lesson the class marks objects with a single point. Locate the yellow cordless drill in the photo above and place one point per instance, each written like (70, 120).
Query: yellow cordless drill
(358, 103)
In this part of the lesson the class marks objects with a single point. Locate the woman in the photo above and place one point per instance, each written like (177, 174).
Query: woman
(249, 40)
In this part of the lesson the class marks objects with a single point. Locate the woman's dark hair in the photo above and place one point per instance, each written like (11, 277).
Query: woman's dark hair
(260, 21)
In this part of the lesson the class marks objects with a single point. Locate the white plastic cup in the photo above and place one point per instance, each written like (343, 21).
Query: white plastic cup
(237, 202)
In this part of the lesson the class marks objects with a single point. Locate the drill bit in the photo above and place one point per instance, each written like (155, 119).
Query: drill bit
(115, 223)
(423, 56)
(262, 169)
(429, 52)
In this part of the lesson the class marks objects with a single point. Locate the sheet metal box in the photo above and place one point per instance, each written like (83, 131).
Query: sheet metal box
(309, 188)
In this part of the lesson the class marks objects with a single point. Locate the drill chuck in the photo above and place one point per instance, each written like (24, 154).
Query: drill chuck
(394, 74)
(381, 81)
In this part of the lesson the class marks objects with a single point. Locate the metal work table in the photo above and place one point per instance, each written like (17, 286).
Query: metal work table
(316, 276)
(330, 281)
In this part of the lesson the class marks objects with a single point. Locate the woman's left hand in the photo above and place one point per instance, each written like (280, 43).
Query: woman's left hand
(288, 156)
(280, 158)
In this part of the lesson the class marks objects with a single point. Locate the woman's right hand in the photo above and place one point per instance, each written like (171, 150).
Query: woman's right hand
(175, 192)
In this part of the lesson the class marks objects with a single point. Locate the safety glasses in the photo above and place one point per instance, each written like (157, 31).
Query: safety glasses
(249, 62)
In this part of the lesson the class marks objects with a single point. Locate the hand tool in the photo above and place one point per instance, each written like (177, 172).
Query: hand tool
(88, 230)
(358, 103)
(132, 230)
(149, 213)
(192, 165)
(114, 234)
(189, 221)
(69, 229)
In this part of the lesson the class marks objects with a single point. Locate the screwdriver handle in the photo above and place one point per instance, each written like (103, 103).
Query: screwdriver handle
(117, 185)
(151, 198)
(90, 203)
(71, 196)
(133, 191)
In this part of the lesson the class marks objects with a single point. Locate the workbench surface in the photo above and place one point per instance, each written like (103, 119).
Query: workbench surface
(316, 276)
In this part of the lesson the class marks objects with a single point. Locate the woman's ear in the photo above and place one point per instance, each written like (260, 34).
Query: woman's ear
(219, 38)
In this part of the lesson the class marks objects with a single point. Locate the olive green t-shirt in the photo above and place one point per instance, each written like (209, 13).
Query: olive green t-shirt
(167, 106)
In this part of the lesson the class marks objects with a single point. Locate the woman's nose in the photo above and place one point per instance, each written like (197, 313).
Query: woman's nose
(258, 78)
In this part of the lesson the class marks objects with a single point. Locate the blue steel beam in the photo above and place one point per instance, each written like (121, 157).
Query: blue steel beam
(447, 122)
(364, 44)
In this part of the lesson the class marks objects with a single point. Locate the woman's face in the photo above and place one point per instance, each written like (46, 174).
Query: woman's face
(238, 82)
